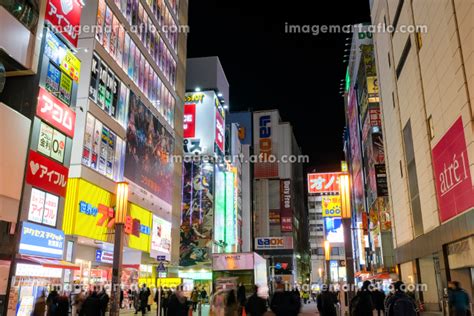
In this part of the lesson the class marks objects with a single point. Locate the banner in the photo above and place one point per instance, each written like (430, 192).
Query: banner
(148, 151)
(38, 240)
(331, 206)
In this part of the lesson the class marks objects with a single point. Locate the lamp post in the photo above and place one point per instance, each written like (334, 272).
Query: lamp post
(346, 214)
(120, 217)
(327, 257)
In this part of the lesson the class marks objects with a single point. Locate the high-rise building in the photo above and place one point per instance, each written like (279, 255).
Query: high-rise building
(364, 150)
(279, 211)
(103, 88)
(425, 72)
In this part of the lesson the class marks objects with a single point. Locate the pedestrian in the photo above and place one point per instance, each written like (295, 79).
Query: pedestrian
(218, 302)
(361, 304)
(150, 299)
(459, 300)
(79, 301)
(63, 305)
(177, 305)
(91, 306)
(121, 298)
(40, 305)
(399, 303)
(285, 303)
(255, 306)
(52, 302)
(378, 299)
(325, 302)
(194, 298)
(305, 297)
(204, 295)
(143, 297)
(231, 305)
(104, 301)
(241, 297)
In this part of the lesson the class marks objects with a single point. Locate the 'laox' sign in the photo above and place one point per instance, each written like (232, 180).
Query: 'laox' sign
(56, 113)
(453, 178)
(285, 242)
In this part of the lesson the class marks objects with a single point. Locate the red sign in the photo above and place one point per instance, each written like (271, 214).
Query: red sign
(323, 182)
(286, 221)
(189, 124)
(219, 131)
(46, 174)
(454, 187)
(65, 17)
(132, 225)
(56, 113)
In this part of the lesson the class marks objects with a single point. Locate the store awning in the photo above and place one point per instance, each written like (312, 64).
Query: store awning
(50, 263)
(380, 276)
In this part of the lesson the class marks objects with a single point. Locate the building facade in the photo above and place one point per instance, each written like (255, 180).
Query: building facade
(364, 150)
(426, 90)
(279, 211)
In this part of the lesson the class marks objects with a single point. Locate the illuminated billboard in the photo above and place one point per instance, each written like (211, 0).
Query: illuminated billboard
(333, 229)
(204, 124)
(323, 182)
(265, 126)
(160, 238)
(331, 205)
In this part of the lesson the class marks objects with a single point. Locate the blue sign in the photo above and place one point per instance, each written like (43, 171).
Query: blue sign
(161, 258)
(333, 227)
(42, 241)
(161, 267)
(278, 266)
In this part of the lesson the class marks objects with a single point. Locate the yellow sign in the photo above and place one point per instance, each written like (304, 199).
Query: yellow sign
(89, 212)
(331, 206)
(71, 65)
(344, 166)
(170, 283)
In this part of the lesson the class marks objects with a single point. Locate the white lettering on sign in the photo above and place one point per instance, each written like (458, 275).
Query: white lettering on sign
(451, 176)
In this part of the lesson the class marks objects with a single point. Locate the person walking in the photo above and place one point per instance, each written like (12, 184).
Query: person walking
(40, 305)
(458, 300)
(285, 303)
(52, 302)
(241, 297)
(399, 303)
(218, 302)
(104, 301)
(231, 305)
(177, 305)
(203, 295)
(255, 306)
(121, 298)
(194, 298)
(378, 298)
(143, 297)
(361, 304)
(79, 301)
(325, 302)
(91, 306)
(63, 305)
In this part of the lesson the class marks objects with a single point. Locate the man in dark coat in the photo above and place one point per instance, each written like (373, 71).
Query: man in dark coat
(256, 306)
(361, 304)
(177, 305)
(325, 302)
(378, 298)
(143, 295)
(91, 306)
(285, 303)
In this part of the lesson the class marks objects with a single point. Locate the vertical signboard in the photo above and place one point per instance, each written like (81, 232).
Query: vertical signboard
(65, 17)
(323, 182)
(286, 210)
(454, 187)
(265, 144)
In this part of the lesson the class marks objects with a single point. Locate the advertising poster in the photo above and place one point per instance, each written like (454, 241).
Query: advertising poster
(37, 240)
(71, 65)
(114, 37)
(52, 78)
(136, 66)
(65, 89)
(219, 208)
(197, 213)
(220, 130)
(54, 48)
(101, 91)
(141, 73)
(109, 172)
(45, 139)
(274, 217)
(334, 230)
(36, 209)
(88, 140)
(148, 152)
(107, 29)
(120, 40)
(100, 21)
(160, 238)
(96, 144)
(94, 78)
(104, 148)
(55, 113)
(122, 105)
(126, 52)
(58, 146)
(331, 205)
(50, 214)
(108, 91)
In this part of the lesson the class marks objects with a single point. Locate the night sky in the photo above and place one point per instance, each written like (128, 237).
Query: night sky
(299, 74)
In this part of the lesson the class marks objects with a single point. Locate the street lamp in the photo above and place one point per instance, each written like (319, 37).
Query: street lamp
(327, 256)
(346, 214)
(120, 217)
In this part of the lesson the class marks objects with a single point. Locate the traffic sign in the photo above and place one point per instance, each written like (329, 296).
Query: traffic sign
(161, 258)
(161, 267)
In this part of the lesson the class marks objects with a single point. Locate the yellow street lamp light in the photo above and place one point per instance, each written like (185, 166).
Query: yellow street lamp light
(345, 196)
